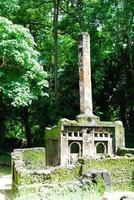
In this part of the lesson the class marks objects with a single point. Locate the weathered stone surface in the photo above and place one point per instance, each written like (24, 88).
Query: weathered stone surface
(86, 136)
(93, 137)
(125, 151)
(28, 174)
(85, 75)
(120, 168)
(94, 175)
(30, 158)
(24, 162)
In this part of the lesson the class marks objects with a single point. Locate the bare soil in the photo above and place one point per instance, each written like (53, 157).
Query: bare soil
(5, 187)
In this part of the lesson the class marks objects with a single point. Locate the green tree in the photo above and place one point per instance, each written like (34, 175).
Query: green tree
(55, 26)
(22, 78)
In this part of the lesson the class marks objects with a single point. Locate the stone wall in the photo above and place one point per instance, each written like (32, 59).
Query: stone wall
(24, 163)
(125, 151)
(53, 152)
(89, 133)
(52, 145)
(31, 173)
(121, 169)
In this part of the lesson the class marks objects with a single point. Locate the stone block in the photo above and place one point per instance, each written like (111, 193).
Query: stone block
(122, 151)
(94, 176)
(24, 163)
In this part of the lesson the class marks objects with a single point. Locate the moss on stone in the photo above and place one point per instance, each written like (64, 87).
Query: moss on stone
(34, 158)
(125, 151)
(62, 174)
(52, 175)
(53, 133)
(67, 122)
(34, 177)
(35, 172)
(121, 169)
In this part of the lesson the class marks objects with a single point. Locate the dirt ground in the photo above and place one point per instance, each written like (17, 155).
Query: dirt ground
(5, 187)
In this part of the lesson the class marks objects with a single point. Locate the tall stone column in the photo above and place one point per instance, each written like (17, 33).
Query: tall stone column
(85, 87)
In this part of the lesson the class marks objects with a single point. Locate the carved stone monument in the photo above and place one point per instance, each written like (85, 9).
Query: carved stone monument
(85, 86)
(86, 106)
(86, 136)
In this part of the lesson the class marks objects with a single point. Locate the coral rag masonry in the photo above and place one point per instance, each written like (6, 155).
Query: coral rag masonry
(30, 173)
(72, 145)
(86, 136)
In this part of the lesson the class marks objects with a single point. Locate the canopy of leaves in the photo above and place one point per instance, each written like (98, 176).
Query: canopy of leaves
(22, 78)
(110, 25)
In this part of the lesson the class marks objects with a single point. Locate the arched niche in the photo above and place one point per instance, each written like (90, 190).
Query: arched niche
(101, 148)
(74, 152)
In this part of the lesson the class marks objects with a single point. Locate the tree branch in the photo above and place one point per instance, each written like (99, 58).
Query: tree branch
(65, 11)
(4, 62)
(44, 2)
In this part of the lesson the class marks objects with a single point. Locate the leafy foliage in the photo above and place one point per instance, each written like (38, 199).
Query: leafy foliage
(110, 26)
(22, 77)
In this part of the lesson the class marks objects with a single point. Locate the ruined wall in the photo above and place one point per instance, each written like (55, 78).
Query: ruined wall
(52, 145)
(24, 162)
(52, 152)
(119, 135)
(121, 169)
(29, 170)
(125, 151)
(90, 136)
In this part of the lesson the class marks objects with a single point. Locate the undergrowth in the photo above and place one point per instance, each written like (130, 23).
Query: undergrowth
(62, 193)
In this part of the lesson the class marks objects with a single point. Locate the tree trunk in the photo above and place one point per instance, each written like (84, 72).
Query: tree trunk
(129, 51)
(131, 120)
(123, 109)
(55, 35)
(2, 118)
(27, 126)
(130, 76)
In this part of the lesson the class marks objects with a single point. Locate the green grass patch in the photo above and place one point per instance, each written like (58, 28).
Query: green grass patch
(4, 170)
(62, 193)
(34, 158)
(121, 169)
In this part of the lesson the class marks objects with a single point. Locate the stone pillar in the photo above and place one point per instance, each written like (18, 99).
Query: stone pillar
(85, 75)
(119, 135)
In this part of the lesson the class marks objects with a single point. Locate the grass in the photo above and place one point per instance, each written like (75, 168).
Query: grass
(61, 193)
(121, 169)
(4, 170)
(77, 193)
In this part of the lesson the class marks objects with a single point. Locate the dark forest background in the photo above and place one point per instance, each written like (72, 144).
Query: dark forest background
(56, 26)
